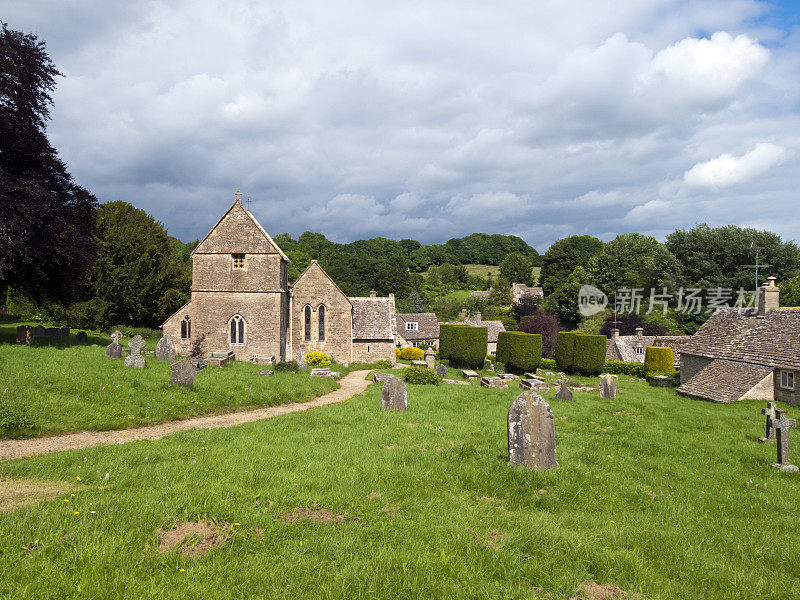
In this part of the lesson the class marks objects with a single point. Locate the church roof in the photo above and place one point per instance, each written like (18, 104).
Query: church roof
(373, 318)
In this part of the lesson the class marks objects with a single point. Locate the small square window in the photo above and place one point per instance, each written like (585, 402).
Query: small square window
(787, 380)
(639, 350)
(238, 261)
(412, 326)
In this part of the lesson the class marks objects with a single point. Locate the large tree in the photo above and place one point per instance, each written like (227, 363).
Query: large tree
(517, 268)
(563, 257)
(46, 220)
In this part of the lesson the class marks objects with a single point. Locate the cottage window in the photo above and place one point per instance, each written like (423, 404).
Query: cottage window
(238, 261)
(186, 328)
(237, 331)
(412, 326)
(307, 316)
(416, 344)
(321, 322)
(787, 380)
(639, 351)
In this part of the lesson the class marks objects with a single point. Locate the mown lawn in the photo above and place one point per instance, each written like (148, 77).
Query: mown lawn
(77, 388)
(661, 495)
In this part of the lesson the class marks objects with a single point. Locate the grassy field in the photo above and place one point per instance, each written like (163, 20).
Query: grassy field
(484, 270)
(78, 388)
(659, 494)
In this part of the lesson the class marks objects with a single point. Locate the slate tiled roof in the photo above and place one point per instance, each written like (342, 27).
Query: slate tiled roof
(373, 318)
(772, 340)
(624, 348)
(520, 290)
(724, 381)
(494, 327)
(428, 326)
(676, 342)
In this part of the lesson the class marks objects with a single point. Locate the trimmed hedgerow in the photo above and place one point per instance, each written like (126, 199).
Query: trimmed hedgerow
(411, 353)
(445, 341)
(618, 367)
(519, 351)
(467, 346)
(658, 359)
(421, 376)
(548, 363)
(590, 354)
(565, 350)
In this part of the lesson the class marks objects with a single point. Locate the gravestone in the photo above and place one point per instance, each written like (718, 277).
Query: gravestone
(165, 349)
(564, 393)
(782, 424)
(508, 376)
(469, 374)
(301, 359)
(531, 432)
(430, 358)
(265, 373)
(441, 371)
(608, 386)
(135, 359)
(114, 350)
(81, 337)
(264, 360)
(494, 382)
(53, 334)
(321, 372)
(39, 333)
(532, 384)
(222, 358)
(419, 363)
(382, 377)
(394, 395)
(25, 335)
(183, 372)
(769, 412)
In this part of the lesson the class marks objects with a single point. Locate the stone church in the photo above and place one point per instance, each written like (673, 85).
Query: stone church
(242, 301)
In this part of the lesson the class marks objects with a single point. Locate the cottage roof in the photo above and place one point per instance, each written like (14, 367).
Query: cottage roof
(373, 318)
(626, 347)
(724, 381)
(427, 326)
(494, 327)
(771, 340)
(520, 289)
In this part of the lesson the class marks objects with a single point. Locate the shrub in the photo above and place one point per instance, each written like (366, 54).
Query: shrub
(618, 367)
(590, 354)
(565, 350)
(286, 367)
(548, 363)
(445, 340)
(15, 421)
(421, 376)
(382, 364)
(658, 359)
(468, 346)
(411, 353)
(318, 359)
(519, 351)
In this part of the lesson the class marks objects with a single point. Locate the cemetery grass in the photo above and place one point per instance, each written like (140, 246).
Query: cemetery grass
(78, 388)
(658, 494)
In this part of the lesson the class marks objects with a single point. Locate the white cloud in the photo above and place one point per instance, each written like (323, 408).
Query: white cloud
(727, 170)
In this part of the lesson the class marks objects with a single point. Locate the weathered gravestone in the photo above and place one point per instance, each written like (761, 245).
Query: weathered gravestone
(769, 412)
(114, 350)
(39, 333)
(494, 382)
(532, 384)
(430, 358)
(782, 425)
(564, 393)
(165, 349)
(469, 374)
(394, 395)
(441, 371)
(531, 432)
(301, 360)
(81, 337)
(608, 386)
(182, 372)
(382, 377)
(265, 373)
(25, 335)
(135, 359)
(321, 372)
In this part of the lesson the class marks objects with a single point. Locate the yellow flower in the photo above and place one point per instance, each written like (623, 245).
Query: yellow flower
(79, 466)
(66, 499)
(237, 523)
(182, 570)
(702, 492)
(76, 512)
(79, 479)
(72, 495)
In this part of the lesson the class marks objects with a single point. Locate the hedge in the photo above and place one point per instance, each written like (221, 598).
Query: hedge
(618, 367)
(421, 376)
(590, 354)
(548, 363)
(658, 359)
(519, 351)
(411, 353)
(466, 345)
(445, 340)
(565, 350)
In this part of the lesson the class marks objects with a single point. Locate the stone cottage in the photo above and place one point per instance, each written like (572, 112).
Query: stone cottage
(631, 348)
(417, 329)
(242, 301)
(738, 355)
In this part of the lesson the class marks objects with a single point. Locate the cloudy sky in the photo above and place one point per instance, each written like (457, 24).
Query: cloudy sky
(432, 119)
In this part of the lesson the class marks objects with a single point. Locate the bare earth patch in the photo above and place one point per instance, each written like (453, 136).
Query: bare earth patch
(194, 540)
(15, 493)
(591, 590)
(313, 513)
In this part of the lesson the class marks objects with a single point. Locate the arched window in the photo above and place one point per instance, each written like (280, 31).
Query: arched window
(307, 317)
(237, 330)
(321, 319)
(186, 328)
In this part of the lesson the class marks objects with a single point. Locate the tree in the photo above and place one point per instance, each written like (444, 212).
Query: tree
(621, 262)
(46, 219)
(517, 268)
(545, 324)
(526, 307)
(394, 278)
(628, 323)
(564, 299)
(563, 257)
(501, 292)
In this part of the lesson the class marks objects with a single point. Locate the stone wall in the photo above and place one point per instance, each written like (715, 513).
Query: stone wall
(261, 273)
(369, 351)
(763, 390)
(788, 396)
(691, 365)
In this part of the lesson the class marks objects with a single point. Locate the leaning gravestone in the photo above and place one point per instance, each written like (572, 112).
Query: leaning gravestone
(394, 395)
(769, 412)
(165, 349)
(114, 350)
(531, 432)
(135, 359)
(81, 337)
(301, 360)
(564, 393)
(182, 372)
(441, 371)
(608, 386)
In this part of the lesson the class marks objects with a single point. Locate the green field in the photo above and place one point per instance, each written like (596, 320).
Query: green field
(661, 495)
(494, 270)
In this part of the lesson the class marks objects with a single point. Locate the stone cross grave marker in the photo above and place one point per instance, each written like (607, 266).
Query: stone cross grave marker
(165, 349)
(769, 412)
(135, 359)
(608, 386)
(564, 393)
(782, 424)
(394, 395)
(531, 432)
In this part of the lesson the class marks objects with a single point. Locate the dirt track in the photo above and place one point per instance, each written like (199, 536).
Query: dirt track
(351, 385)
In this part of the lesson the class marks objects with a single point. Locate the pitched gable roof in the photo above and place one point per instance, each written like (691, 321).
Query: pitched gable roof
(494, 327)
(772, 340)
(238, 222)
(315, 267)
(428, 326)
(374, 318)
(724, 381)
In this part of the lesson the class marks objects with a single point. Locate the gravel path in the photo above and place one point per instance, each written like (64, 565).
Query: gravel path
(351, 384)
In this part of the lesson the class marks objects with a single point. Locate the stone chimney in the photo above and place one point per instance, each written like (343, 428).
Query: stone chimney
(615, 334)
(768, 297)
(639, 333)
(373, 293)
(476, 316)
